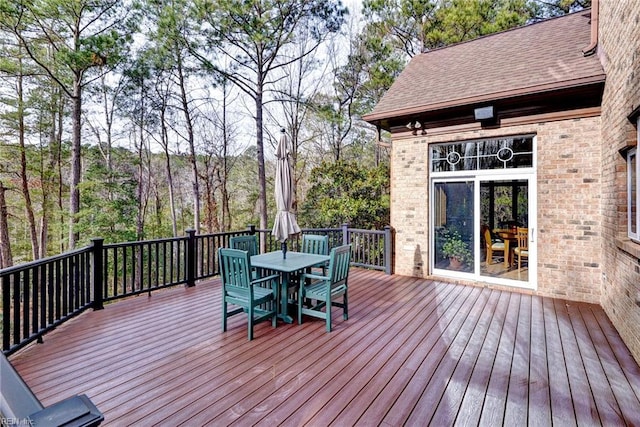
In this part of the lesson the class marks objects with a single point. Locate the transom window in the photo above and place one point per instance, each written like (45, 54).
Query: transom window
(500, 153)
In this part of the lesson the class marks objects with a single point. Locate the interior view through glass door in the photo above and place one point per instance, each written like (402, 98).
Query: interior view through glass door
(504, 229)
(453, 219)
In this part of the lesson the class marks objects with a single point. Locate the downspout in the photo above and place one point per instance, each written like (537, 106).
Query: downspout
(591, 49)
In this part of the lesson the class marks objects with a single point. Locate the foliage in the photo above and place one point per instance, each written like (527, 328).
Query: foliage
(347, 192)
(108, 204)
(455, 247)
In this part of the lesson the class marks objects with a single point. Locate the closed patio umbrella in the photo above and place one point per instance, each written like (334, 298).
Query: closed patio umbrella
(285, 223)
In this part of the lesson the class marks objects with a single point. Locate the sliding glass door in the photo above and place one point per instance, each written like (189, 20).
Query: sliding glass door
(482, 211)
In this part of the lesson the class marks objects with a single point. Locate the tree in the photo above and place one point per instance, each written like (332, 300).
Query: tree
(169, 40)
(6, 259)
(348, 192)
(73, 43)
(14, 68)
(550, 8)
(251, 35)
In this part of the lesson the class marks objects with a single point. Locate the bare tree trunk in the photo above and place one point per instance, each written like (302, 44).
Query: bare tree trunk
(74, 190)
(262, 181)
(141, 206)
(192, 150)
(6, 259)
(24, 179)
(167, 156)
(58, 163)
(50, 172)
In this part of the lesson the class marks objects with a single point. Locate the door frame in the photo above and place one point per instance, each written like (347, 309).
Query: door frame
(477, 177)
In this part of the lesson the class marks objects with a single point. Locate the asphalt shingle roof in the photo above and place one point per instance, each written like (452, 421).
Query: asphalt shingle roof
(530, 59)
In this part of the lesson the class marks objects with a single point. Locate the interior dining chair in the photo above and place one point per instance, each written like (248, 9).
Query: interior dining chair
(492, 245)
(326, 290)
(522, 250)
(248, 294)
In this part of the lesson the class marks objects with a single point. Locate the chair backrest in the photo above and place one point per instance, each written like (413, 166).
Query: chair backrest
(487, 236)
(247, 243)
(315, 244)
(339, 261)
(235, 268)
(522, 236)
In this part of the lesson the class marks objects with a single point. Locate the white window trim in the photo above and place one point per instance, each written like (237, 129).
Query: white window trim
(634, 234)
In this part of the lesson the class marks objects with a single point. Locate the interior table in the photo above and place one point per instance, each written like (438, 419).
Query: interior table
(294, 262)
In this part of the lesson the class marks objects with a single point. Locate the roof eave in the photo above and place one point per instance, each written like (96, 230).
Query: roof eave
(531, 90)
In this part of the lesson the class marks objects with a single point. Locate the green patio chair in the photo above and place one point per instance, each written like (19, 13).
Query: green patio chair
(247, 243)
(316, 244)
(239, 288)
(326, 290)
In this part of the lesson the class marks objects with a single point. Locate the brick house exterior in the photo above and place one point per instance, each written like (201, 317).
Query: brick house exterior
(576, 105)
(619, 53)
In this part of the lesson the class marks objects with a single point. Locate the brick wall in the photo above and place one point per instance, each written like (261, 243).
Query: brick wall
(619, 51)
(569, 203)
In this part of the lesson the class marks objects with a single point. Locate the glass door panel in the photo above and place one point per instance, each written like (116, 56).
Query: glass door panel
(453, 225)
(504, 208)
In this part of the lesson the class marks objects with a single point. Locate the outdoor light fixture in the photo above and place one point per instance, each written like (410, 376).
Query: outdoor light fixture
(485, 114)
(414, 128)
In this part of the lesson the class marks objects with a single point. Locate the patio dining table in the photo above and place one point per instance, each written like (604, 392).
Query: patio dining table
(293, 263)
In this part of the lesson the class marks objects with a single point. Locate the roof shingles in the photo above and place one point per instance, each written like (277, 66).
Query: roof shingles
(529, 59)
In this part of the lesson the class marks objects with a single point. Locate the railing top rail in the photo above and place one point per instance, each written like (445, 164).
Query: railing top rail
(360, 230)
(42, 261)
(143, 242)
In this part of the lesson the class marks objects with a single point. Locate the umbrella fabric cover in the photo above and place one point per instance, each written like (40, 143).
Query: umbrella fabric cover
(285, 223)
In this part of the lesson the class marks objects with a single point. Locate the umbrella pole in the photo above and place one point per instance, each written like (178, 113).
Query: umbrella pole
(283, 245)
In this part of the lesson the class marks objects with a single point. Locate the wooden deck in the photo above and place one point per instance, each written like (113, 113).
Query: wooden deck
(413, 352)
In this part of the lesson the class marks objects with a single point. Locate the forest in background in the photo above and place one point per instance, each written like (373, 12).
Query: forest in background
(139, 119)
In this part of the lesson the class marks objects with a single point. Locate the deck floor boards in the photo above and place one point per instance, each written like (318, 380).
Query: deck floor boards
(413, 351)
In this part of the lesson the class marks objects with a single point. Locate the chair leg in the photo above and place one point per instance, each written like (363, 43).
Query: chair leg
(345, 314)
(328, 314)
(274, 317)
(250, 322)
(300, 300)
(489, 256)
(224, 315)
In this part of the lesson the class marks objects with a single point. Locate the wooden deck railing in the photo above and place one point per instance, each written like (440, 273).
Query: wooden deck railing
(38, 296)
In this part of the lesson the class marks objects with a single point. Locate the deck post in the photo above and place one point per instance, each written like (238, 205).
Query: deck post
(345, 234)
(388, 250)
(191, 257)
(97, 272)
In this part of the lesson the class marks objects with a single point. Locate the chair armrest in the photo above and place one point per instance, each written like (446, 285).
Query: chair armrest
(314, 276)
(265, 279)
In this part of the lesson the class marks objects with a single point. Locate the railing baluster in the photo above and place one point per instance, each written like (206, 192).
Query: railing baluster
(15, 297)
(6, 312)
(35, 285)
(26, 302)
